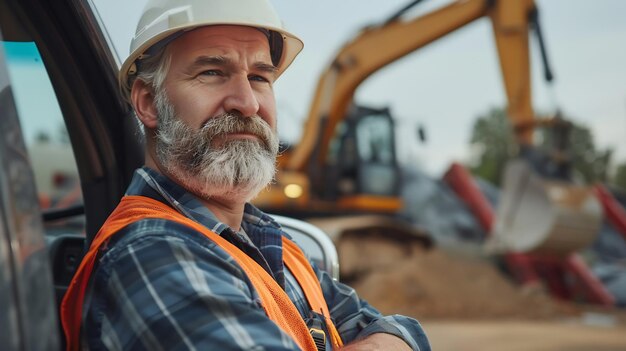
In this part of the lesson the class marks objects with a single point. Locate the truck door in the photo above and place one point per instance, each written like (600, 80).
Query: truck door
(27, 310)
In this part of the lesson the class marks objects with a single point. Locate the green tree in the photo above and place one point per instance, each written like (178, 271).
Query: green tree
(620, 176)
(588, 162)
(62, 134)
(42, 137)
(492, 136)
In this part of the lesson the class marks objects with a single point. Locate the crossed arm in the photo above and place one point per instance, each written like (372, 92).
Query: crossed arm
(362, 327)
(378, 342)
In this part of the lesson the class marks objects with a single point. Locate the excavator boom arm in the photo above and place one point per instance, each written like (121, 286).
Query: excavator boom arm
(376, 47)
(510, 21)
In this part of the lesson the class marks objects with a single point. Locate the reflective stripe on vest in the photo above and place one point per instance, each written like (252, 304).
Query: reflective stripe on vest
(277, 305)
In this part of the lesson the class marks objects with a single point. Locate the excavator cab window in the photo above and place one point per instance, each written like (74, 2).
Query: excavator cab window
(366, 153)
(373, 138)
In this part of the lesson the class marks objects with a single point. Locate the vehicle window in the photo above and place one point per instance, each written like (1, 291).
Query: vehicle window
(374, 136)
(45, 135)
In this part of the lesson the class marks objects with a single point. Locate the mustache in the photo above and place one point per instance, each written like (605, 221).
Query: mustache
(230, 123)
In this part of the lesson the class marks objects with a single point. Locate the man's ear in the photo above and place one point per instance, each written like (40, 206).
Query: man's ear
(142, 98)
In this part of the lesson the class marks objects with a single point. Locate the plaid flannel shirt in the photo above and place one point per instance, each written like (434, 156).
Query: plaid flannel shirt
(159, 285)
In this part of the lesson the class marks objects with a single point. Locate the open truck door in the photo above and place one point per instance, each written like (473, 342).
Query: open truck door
(27, 311)
(57, 81)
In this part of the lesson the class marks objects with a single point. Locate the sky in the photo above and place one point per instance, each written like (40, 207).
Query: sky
(445, 86)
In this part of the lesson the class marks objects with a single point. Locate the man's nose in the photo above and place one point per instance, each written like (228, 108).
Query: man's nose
(241, 98)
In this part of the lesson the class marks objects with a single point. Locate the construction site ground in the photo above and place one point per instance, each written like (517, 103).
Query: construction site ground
(465, 302)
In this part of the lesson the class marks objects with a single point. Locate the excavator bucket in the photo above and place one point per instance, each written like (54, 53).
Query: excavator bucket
(543, 216)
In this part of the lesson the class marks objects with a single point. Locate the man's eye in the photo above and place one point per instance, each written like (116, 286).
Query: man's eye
(257, 78)
(210, 72)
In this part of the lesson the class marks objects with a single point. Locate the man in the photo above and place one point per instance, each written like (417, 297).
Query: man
(185, 262)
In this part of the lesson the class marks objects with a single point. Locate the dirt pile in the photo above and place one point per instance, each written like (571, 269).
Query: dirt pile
(396, 277)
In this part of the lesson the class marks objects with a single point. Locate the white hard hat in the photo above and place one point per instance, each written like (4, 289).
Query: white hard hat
(163, 18)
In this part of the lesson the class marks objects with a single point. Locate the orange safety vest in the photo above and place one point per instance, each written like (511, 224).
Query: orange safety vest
(277, 305)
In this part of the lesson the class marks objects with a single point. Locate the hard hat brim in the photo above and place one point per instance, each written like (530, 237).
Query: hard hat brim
(292, 45)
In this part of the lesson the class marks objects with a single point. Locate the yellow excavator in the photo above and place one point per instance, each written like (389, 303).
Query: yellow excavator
(346, 164)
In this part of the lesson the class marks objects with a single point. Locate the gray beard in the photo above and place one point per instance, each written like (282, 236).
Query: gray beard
(236, 170)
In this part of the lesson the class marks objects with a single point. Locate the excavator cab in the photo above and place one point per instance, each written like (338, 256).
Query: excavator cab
(363, 159)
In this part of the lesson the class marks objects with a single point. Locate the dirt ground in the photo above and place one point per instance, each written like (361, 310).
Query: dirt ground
(523, 336)
(465, 303)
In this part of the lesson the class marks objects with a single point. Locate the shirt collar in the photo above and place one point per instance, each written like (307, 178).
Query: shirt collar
(260, 234)
(150, 183)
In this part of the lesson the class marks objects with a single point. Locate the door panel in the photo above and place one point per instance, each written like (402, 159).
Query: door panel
(25, 278)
